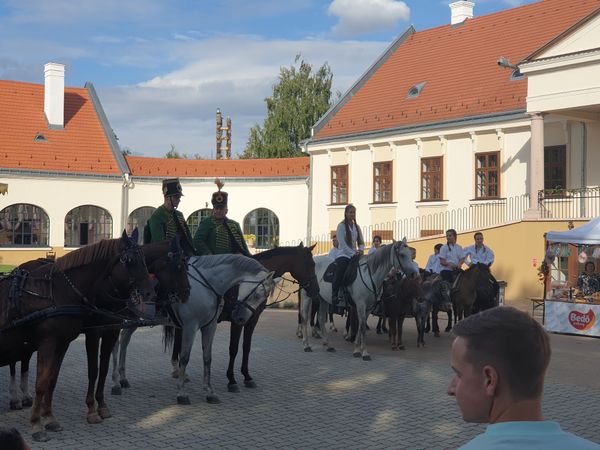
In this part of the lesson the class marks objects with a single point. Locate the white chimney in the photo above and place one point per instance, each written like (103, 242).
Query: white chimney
(54, 94)
(461, 11)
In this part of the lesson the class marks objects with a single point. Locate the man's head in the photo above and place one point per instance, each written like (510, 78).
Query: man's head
(172, 192)
(499, 356)
(590, 267)
(478, 237)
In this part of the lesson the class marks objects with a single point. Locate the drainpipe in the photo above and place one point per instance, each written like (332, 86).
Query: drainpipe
(310, 193)
(127, 184)
(583, 167)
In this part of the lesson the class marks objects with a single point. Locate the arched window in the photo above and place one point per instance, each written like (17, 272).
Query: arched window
(24, 225)
(87, 224)
(196, 217)
(137, 219)
(264, 224)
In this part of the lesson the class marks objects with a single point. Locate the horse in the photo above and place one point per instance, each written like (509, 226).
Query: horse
(210, 277)
(397, 297)
(166, 263)
(473, 291)
(362, 293)
(435, 296)
(44, 309)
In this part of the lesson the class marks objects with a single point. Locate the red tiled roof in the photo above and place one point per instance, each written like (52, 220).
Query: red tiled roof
(244, 168)
(81, 146)
(459, 66)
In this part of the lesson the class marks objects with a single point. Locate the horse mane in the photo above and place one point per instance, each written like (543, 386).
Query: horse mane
(239, 262)
(381, 256)
(103, 250)
(277, 251)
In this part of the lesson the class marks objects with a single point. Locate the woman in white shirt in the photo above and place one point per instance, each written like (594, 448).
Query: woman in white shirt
(351, 243)
(376, 244)
(433, 263)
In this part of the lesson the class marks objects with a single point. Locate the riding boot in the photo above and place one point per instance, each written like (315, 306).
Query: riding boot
(338, 302)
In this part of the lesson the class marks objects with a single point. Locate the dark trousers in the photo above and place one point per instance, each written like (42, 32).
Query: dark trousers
(341, 264)
(449, 275)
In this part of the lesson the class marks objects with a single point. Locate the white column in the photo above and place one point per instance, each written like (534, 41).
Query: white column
(536, 164)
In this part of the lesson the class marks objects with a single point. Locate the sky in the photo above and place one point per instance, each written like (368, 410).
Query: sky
(162, 67)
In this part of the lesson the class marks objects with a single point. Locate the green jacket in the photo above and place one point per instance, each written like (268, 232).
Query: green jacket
(163, 226)
(212, 238)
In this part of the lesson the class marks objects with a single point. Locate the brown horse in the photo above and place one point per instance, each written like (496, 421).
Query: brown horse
(473, 292)
(166, 262)
(399, 294)
(44, 309)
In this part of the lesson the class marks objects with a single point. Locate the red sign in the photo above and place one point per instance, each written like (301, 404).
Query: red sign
(582, 321)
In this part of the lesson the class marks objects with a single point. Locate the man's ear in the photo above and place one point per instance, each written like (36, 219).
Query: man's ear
(490, 380)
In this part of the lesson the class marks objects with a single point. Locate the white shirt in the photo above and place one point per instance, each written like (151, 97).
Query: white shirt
(433, 264)
(334, 253)
(346, 250)
(484, 255)
(452, 255)
(372, 250)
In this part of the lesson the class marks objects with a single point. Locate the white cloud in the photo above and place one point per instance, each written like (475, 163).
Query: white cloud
(358, 17)
(232, 73)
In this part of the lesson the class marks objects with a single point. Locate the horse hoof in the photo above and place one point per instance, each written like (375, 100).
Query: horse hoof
(233, 388)
(212, 399)
(104, 412)
(16, 405)
(307, 349)
(40, 436)
(299, 334)
(366, 358)
(116, 390)
(94, 418)
(53, 426)
(356, 354)
(175, 373)
(331, 350)
(27, 402)
(183, 400)
(124, 384)
(250, 384)
(436, 334)
(448, 329)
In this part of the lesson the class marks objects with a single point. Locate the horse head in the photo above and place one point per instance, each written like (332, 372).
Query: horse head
(443, 295)
(170, 270)
(306, 275)
(402, 256)
(253, 292)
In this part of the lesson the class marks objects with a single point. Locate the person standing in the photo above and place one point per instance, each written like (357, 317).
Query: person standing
(166, 221)
(451, 257)
(351, 244)
(499, 358)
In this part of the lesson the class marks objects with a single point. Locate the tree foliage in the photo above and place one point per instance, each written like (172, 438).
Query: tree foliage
(299, 99)
(174, 154)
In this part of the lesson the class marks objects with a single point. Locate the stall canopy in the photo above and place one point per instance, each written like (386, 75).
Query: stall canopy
(588, 233)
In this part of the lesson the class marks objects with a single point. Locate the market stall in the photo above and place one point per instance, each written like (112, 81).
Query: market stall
(572, 300)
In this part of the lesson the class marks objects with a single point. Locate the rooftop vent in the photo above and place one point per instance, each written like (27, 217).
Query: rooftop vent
(39, 137)
(461, 11)
(415, 91)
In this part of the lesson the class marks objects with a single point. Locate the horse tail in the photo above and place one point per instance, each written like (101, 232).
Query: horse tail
(168, 337)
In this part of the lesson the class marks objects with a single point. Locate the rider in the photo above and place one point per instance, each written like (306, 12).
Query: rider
(433, 263)
(481, 254)
(451, 257)
(167, 221)
(217, 235)
(351, 244)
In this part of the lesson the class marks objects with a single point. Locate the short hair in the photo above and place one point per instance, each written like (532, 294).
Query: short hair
(513, 343)
(438, 246)
(588, 263)
(478, 233)
(11, 438)
(452, 231)
(377, 237)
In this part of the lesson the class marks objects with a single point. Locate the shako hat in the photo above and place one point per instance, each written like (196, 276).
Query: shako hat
(171, 187)
(219, 198)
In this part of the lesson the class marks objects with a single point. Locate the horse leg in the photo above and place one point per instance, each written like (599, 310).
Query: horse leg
(384, 326)
(305, 313)
(299, 329)
(109, 340)
(434, 322)
(332, 328)
(26, 399)
(400, 324)
(449, 326)
(392, 333)
(361, 316)
(188, 333)
(246, 347)
(208, 335)
(92, 342)
(378, 329)
(175, 355)
(323, 313)
(126, 334)
(15, 399)
(235, 333)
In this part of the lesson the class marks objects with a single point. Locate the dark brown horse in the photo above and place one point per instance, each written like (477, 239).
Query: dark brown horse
(473, 292)
(166, 262)
(44, 309)
(399, 294)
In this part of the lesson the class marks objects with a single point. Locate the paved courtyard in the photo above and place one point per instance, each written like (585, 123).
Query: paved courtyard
(303, 400)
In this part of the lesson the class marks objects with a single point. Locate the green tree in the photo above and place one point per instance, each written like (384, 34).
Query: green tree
(299, 99)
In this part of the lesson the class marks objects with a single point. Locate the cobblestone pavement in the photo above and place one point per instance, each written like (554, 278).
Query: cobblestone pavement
(303, 400)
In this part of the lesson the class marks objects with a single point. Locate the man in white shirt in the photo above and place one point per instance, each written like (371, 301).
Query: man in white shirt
(451, 257)
(433, 263)
(478, 253)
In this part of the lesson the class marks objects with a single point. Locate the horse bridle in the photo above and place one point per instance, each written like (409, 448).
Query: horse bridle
(244, 301)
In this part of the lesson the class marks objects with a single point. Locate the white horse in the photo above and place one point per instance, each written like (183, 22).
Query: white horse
(364, 291)
(210, 277)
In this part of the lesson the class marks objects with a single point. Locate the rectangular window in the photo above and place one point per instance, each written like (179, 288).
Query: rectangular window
(339, 185)
(386, 235)
(555, 167)
(432, 175)
(487, 175)
(382, 182)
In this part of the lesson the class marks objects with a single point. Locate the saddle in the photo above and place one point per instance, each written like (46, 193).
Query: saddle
(349, 275)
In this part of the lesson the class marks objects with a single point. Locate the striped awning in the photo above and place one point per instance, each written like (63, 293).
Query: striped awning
(3, 188)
